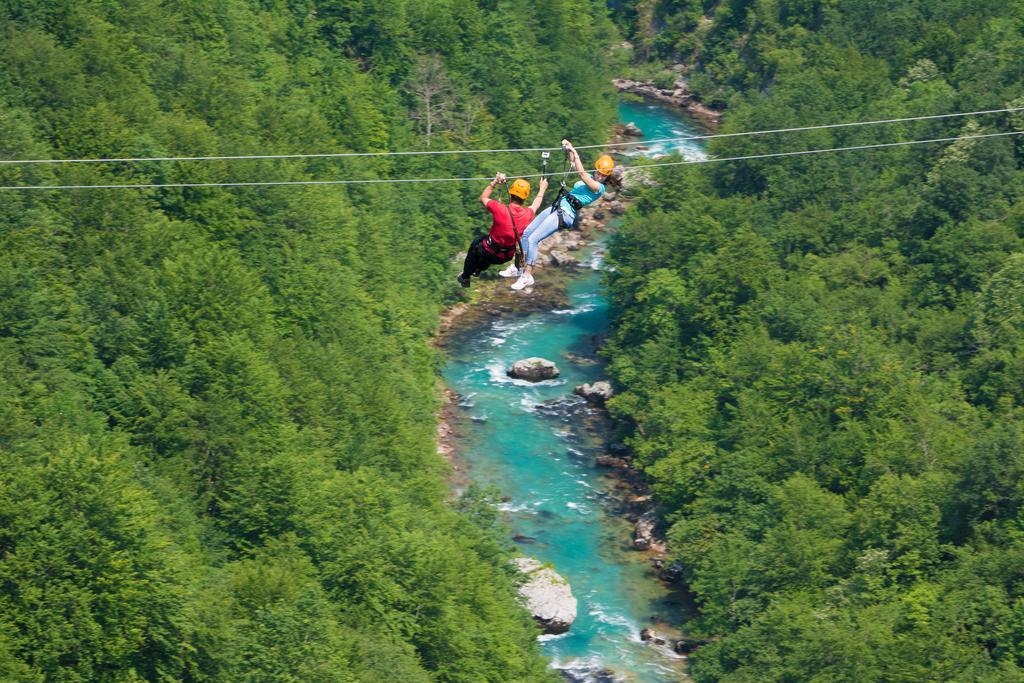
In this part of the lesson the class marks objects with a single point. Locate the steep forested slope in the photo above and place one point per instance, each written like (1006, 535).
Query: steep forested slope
(823, 356)
(216, 405)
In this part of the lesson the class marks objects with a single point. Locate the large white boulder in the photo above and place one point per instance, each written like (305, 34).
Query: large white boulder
(533, 369)
(547, 595)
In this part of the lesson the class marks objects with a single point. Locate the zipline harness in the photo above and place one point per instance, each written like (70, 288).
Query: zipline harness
(563, 193)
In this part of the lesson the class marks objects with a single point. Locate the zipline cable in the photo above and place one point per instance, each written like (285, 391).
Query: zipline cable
(381, 181)
(339, 155)
(852, 148)
(827, 126)
(242, 157)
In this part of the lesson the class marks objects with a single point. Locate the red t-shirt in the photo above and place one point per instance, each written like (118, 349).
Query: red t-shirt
(501, 229)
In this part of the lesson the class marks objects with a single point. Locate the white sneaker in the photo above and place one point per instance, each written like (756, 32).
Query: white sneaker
(524, 281)
(511, 271)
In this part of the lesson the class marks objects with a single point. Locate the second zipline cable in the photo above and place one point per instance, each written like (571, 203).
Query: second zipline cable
(341, 155)
(381, 181)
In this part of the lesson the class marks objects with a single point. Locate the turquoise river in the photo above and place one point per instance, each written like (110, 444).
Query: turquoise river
(537, 442)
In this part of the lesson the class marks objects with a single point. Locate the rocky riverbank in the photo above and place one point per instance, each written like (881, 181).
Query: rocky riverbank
(450, 419)
(678, 95)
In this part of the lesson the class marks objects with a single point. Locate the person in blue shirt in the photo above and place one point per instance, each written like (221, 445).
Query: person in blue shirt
(586, 191)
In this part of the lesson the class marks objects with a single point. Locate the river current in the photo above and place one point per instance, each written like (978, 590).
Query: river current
(537, 442)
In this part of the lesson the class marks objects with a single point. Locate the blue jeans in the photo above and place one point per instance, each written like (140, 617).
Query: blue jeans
(543, 226)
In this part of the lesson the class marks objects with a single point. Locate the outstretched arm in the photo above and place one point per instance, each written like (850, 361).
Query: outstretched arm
(577, 163)
(485, 196)
(539, 199)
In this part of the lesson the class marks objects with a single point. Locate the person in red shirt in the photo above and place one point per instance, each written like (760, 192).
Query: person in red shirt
(508, 223)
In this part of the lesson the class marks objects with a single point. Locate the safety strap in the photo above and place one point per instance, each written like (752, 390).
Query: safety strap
(519, 258)
(563, 191)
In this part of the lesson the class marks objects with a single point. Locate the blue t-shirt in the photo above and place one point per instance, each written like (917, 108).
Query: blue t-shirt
(583, 193)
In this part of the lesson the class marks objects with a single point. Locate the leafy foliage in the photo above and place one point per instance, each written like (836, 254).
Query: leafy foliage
(821, 356)
(217, 405)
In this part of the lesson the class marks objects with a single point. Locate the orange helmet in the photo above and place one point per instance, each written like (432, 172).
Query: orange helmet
(519, 188)
(605, 164)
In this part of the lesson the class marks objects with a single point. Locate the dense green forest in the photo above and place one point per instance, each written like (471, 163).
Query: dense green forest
(217, 445)
(823, 357)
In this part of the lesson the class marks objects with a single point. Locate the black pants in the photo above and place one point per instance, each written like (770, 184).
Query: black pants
(479, 259)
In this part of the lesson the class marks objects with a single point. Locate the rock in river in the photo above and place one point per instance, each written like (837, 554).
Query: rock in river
(632, 130)
(649, 635)
(563, 259)
(643, 532)
(548, 596)
(589, 674)
(597, 393)
(533, 369)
